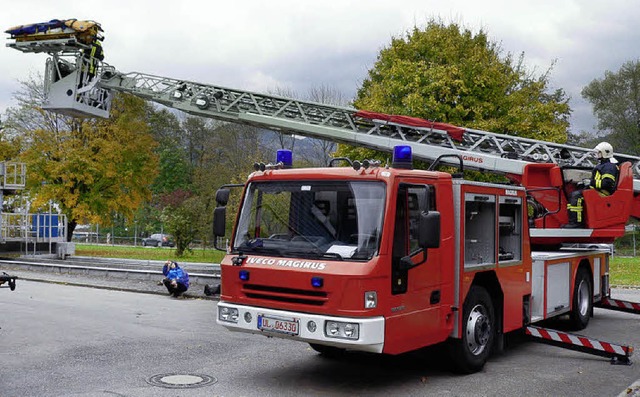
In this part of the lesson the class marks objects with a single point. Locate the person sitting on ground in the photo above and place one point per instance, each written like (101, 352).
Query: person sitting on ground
(175, 279)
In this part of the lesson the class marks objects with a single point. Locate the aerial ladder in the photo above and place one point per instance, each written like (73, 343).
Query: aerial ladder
(546, 169)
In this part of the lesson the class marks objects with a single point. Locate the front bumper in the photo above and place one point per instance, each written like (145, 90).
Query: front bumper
(370, 337)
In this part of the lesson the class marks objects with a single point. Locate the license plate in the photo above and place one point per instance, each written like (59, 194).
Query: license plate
(289, 326)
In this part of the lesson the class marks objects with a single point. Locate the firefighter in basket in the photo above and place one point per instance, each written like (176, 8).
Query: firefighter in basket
(604, 178)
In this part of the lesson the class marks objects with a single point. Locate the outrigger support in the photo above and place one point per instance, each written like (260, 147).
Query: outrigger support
(618, 305)
(619, 354)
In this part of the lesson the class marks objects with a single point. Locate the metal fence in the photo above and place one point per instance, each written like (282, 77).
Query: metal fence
(33, 227)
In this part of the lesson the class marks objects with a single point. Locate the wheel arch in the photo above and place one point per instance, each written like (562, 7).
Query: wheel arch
(584, 264)
(489, 281)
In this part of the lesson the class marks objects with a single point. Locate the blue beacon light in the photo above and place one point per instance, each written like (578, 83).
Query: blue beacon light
(285, 157)
(244, 275)
(402, 157)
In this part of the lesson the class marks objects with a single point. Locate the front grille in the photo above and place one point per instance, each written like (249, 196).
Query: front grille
(282, 294)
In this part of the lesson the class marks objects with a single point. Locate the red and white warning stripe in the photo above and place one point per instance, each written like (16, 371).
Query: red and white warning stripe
(623, 305)
(578, 340)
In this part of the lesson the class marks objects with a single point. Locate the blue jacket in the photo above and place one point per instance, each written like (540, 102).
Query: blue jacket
(177, 274)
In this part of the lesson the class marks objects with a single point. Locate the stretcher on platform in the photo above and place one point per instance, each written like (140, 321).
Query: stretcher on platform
(85, 32)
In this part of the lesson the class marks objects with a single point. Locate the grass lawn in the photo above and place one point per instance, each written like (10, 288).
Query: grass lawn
(148, 253)
(625, 271)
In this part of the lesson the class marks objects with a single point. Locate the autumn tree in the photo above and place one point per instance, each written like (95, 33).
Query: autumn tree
(450, 74)
(616, 104)
(93, 169)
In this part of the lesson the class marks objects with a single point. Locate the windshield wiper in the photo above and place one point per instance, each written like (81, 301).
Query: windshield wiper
(333, 255)
(314, 254)
(261, 246)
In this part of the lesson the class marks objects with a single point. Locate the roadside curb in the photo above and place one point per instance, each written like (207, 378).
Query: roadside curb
(186, 295)
(106, 278)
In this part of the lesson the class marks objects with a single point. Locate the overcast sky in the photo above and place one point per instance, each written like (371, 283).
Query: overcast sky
(264, 45)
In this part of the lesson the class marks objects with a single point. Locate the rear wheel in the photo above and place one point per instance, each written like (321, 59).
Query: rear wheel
(471, 352)
(582, 300)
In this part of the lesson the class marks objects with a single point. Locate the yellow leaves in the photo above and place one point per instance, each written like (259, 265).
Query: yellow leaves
(98, 167)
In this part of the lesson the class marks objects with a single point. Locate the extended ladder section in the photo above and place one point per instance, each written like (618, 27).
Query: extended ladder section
(480, 150)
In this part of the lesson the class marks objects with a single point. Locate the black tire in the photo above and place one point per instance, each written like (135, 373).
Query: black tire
(470, 353)
(12, 285)
(327, 351)
(582, 305)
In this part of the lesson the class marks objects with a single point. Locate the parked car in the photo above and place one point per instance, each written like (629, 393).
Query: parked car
(158, 240)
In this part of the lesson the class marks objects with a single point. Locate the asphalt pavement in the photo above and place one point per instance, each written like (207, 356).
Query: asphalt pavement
(143, 277)
(114, 274)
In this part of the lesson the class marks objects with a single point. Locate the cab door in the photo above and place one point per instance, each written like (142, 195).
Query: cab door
(416, 279)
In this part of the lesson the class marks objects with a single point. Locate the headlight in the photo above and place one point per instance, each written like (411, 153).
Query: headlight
(229, 314)
(337, 329)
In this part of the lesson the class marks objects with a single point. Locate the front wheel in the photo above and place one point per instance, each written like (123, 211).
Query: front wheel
(471, 352)
(582, 301)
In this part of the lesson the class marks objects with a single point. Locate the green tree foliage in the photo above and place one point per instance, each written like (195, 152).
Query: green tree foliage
(616, 104)
(180, 217)
(174, 169)
(97, 168)
(449, 74)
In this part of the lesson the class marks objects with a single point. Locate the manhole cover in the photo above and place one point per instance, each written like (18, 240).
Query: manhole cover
(181, 381)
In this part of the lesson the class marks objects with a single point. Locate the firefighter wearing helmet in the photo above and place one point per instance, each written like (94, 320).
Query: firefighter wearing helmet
(604, 178)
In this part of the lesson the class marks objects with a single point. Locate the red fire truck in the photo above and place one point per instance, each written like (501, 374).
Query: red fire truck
(391, 259)
(384, 258)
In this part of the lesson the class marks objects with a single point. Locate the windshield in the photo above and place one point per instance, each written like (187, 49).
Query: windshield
(335, 220)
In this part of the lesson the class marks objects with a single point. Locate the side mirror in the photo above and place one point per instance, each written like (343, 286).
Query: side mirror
(219, 225)
(219, 221)
(429, 232)
(222, 197)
